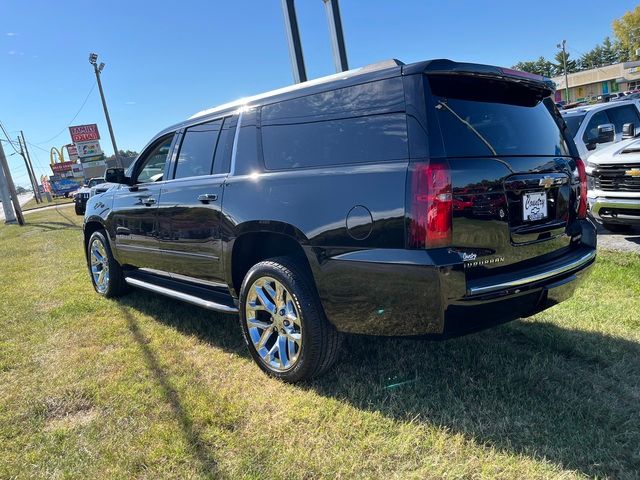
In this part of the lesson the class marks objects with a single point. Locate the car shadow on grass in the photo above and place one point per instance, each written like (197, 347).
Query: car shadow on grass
(55, 225)
(191, 433)
(532, 388)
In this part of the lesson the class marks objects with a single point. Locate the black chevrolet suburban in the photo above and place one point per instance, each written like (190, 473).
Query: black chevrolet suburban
(427, 199)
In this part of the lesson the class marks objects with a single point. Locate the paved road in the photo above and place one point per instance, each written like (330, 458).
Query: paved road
(24, 198)
(626, 242)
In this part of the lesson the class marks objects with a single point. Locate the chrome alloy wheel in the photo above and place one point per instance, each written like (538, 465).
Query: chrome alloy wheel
(99, 266)
(274, 324)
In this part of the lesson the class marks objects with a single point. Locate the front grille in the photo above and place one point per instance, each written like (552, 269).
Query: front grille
(613, 178)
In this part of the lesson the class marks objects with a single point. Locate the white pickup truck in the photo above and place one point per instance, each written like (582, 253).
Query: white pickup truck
(613, 180)
(595, 127)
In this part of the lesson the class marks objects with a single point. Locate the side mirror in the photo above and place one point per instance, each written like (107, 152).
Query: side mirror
(628, 130)
(606, 133)
(115, 175)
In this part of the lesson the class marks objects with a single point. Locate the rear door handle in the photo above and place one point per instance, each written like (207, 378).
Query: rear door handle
(208, 197)
(149, 201)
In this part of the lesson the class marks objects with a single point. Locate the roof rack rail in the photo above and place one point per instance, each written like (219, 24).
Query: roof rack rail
(390, 62)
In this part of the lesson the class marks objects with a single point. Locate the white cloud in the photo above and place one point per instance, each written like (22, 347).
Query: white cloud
(129, 103)
(12, 52)
(11, 34)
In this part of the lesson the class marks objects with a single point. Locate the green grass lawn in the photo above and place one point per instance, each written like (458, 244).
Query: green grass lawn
(31, 204)
(145, 387)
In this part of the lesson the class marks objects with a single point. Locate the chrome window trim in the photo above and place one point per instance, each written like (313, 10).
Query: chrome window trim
(234, 149)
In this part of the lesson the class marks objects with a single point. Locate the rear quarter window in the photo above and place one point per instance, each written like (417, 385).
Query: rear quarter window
(359, 124)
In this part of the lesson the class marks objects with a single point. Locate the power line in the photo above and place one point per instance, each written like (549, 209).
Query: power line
(93, 85)
(6, 135)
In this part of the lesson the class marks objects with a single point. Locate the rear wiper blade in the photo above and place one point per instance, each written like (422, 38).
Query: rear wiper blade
(469, 126)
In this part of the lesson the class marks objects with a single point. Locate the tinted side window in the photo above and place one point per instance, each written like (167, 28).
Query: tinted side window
(374, 138)
(222, 159)
(624, 114)
(591, 133)
(152, 167)
(197, 149)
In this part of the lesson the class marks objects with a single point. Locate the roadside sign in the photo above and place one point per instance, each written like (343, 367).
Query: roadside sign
(93, 159)
(88, 149)
(73, 152)
(46, 186)
(77, 170)
(61, 168)
(84, 133)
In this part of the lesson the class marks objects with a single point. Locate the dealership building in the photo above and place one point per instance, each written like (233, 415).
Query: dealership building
(618, 77)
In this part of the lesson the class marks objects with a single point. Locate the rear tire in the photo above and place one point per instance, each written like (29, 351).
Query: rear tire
(616, 227)
(105, 272)
(79, 210)
(283, 322)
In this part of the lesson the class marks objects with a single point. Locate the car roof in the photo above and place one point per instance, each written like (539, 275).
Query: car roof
(589, 108)
(369, 73)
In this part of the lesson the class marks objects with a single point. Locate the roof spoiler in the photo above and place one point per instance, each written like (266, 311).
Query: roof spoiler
(449, 67)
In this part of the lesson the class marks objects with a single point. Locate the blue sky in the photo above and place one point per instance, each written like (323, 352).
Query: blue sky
(167, 62)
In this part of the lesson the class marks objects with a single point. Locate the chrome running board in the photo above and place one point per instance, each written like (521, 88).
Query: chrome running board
(184, 297)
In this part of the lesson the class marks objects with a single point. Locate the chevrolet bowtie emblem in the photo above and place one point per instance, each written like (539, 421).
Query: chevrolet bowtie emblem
(546, 182)
(634, 172)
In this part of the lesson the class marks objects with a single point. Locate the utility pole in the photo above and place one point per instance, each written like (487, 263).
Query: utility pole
(34, 184)
(33, 173)
(337, 35)
(5, 196)
(293, 39)
(12, 188)
(93, 60)
(563, 45)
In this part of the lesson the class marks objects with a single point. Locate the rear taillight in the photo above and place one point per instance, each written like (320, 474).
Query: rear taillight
(582, 200)
(430, 205)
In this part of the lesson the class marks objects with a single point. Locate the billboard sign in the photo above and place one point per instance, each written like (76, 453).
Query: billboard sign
(77, 170)
(88, 149)
(61, 168)
(73, 152)
(97, 158)
(84, 133)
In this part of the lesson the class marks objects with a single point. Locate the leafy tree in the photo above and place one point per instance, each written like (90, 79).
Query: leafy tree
(609, 54)
(572, 65)
(542, 66)
(627, 31)
(124, 153)
(545, 67)
(526, 67)
(20, 190)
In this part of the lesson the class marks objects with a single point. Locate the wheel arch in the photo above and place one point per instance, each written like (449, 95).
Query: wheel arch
(91, 225)
(257, 241)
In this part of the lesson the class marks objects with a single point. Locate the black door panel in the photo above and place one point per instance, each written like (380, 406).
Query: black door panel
(135, 225)
(189, 226)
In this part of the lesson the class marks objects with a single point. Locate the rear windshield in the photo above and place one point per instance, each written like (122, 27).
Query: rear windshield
(487, 117)
(573, 123)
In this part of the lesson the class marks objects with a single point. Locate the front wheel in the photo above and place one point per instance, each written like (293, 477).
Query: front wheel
(106, 273)
(283, 323)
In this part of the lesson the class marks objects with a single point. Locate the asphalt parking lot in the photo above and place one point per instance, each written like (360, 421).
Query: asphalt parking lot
(623, 242)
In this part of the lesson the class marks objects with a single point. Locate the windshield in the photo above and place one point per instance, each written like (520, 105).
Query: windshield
(573, 123)
(491, 117)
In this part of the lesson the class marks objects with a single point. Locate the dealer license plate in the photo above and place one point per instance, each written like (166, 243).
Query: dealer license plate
(534, 206)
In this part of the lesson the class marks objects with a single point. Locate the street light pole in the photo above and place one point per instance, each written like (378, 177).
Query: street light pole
(564, 64)
(93, 59)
